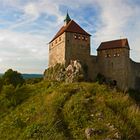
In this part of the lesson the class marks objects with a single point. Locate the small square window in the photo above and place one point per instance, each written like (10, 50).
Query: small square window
(107, 55)
(75, 36)
(79, 37)
(115, 55)
(83, 38)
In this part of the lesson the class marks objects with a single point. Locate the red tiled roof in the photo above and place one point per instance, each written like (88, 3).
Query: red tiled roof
(121, 43)
(72, 27)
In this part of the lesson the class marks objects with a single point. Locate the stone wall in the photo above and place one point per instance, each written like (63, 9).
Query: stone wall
(77, 47)
(114, 65)
(135, 75)
(92, 67)
(57, 51)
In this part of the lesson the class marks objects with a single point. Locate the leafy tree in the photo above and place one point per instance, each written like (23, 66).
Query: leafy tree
(12, 77)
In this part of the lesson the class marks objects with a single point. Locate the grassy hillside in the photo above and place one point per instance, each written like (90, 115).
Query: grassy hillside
(60, 111)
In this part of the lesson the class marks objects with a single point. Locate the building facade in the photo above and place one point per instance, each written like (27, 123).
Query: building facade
(113, 60)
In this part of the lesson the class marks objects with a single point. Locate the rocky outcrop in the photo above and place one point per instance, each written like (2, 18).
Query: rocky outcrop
(72, 73)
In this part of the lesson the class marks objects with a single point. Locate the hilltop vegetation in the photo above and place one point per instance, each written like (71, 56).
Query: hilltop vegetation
(52, 110)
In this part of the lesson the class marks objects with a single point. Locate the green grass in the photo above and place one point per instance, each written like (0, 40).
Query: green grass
(61, 111)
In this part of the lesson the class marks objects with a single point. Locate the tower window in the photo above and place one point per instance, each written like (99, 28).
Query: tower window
(59, 38)
(83, 38)
(79, 37)
(52, 44)
(115, 54)
(55, 41)
(107, 55)
(75, 36)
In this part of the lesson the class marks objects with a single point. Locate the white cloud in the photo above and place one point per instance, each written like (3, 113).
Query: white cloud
(119, 19)
(23, 50)
(31, 10)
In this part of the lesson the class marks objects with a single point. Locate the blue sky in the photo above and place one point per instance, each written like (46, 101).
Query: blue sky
(26, 27)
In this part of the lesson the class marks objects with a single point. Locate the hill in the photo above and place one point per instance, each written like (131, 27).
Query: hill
(61, 111)
(28, 76)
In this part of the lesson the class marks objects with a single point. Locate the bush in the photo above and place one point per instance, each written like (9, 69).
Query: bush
(12, 77)
(14, 96)
(135, 95)
(19, 123)
(34, 131)
(100, 78)
(33, 80)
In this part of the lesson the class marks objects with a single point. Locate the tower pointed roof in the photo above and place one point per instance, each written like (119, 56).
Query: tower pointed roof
(67, 18)
(72, 27)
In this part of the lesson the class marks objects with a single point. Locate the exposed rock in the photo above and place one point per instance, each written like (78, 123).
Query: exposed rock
(89, 132)
(100, 116)
(72, 73)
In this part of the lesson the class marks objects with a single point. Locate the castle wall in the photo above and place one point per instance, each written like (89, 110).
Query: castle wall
(57, 51)
(114, 65)
(135, 75)
(92, 67)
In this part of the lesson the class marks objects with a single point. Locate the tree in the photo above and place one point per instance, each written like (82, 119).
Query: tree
(12, 77)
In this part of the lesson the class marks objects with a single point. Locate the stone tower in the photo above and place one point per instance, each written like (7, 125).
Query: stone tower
(70, 43)
(113, 61)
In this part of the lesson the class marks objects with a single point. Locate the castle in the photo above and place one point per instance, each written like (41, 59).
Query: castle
(73, 43)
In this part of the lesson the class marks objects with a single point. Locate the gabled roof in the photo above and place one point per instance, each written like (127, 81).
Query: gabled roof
(113, 44)
(72, 27)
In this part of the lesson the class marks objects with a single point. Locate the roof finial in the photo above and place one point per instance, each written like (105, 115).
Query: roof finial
(67, 18)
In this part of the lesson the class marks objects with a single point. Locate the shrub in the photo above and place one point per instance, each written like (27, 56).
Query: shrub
(14, 96)
(19, 123)
(34, 131)
(33, 80)
(135, 95)
(12, 77)
(100, 78)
